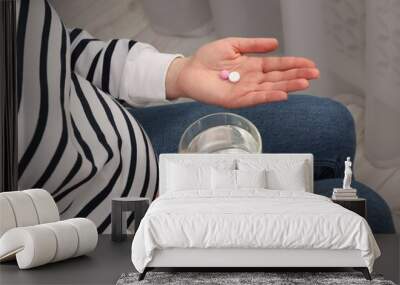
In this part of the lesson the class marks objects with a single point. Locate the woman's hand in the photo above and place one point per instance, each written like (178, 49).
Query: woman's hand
(263, 79)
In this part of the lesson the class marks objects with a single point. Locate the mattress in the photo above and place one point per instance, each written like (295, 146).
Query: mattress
(252, 219)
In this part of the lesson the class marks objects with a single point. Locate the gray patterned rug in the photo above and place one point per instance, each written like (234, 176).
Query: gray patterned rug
(243, 278)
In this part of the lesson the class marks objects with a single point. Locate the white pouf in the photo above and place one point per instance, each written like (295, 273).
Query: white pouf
(24, 211)
(45, 205)
(26, 208)
(7, 218)
(32, 233)
(40, 244)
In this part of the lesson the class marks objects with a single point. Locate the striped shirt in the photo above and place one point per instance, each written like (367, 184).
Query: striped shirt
(75, 139)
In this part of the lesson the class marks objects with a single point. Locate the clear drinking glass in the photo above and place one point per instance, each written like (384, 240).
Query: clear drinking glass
(221, 133)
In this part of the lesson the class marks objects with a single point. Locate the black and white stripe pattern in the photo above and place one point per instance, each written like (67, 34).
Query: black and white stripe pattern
(75, 140)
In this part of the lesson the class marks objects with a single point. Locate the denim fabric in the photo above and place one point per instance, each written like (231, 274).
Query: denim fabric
(303, 124)
(378, 212)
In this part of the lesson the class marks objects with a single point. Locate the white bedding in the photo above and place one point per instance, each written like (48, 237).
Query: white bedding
(251, 218)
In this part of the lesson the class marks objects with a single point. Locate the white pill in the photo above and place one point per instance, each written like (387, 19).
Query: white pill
(234, 76)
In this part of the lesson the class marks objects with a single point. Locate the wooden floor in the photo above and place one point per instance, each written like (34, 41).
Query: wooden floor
(126, 19)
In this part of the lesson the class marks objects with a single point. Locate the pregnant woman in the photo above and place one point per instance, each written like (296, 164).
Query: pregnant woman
(80, 126)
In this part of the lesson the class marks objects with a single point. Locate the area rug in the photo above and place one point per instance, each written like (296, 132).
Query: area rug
(244, 278)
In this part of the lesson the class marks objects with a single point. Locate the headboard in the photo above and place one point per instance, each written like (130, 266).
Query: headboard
(201, 159)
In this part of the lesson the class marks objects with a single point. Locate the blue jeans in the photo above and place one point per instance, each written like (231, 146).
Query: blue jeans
(303, 124)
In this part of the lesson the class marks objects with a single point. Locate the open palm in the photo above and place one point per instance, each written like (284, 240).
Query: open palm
(263, 79)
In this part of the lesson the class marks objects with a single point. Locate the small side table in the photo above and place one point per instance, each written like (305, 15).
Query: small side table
(358, 206)
(137, 205)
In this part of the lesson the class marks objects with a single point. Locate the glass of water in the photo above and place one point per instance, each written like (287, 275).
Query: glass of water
(221, 133)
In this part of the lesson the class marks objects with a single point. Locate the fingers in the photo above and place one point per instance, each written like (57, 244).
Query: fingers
(286, 86)
(257, 97)
(285, 63)
(252, 45)
(298, 73)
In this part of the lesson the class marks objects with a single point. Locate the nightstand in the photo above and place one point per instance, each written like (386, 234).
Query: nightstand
(137, 205)
(358, 205)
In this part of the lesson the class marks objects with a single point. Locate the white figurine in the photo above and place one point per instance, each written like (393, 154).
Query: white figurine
(348, 173)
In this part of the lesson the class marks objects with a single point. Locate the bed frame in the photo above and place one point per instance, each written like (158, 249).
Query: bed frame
(250, 259)
(238, 259)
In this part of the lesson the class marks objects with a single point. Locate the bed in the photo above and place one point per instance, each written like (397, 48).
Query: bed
(245, 211)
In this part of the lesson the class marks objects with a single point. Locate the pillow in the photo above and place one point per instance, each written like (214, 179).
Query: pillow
(251, 179)
(181, 177)
(223, 179)
(293, 179)
(280, 174)
(199, 161)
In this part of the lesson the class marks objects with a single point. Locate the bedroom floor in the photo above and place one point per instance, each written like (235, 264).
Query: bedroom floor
(126, 19)
(110, 259)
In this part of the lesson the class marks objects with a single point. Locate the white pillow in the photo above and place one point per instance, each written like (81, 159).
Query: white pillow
(223, 179)
(251, 178)
(197, 161)
(281, 174)
(292, 179)
(181, 177)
